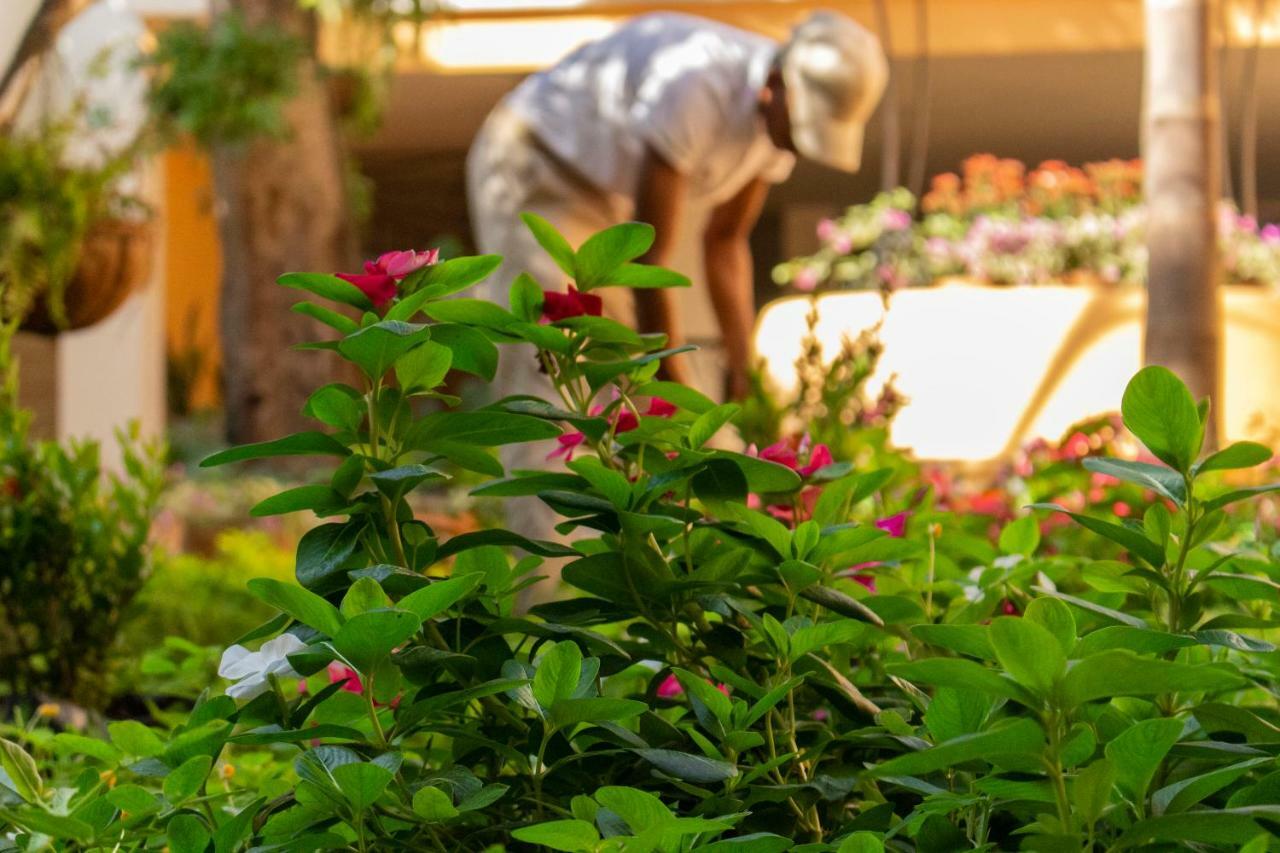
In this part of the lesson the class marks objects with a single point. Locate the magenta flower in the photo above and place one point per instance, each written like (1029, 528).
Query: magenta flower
(671, 688)
(382, 276)
(895, 525)
(346, 676)
(568, 443)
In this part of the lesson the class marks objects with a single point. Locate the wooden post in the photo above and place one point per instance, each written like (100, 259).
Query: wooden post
(1180, 149)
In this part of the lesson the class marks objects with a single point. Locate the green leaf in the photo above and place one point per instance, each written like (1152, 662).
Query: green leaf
(375, 348)
(593, 709)
(646, 277)
(1137, 751)
(134, 739)
(68, 745)
(483, 428)
(133, 799)
(183, 783)
(603, 252)
(952, 713)
(433, 805)
(434, 599)
(640, 809)
(1233, 827)
(1161, 480)
(601, 373)
(567, 835)
(681, 396)
(42, 822)
(1091, 790)
(187, 834)
(1242, 454)
(761, 526)
(861, 842)
(1139, 640)
(332, 319)
(323, 550)
(720, 480)
(610, 483)
(444, 279)
(706, 694)
(22, 771)
(364, 595)
(1021, 737)
(1160, 411)
(709, 423)
(1028, 652)
(1055, 617)
(362, 783)
(559, 669)
(473, 312)
(424, 367)
(300, 444)
(472, 352)
(1021, 536)
(1185, 793)
(971, 640)
(526, 298)
(303, 605)
(1120, 673)
(1238, 495)
(336, 405)
(962, 675)
(503, 538)
(763, 476)
(367, 639)
(396, 482)
(1092, 607)
(1133, 541)
(322, 499)
(327, 287)
(689, 768)
(551, 242)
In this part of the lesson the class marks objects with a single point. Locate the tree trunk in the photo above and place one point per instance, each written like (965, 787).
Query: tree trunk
(282, 207)
(1180, 137)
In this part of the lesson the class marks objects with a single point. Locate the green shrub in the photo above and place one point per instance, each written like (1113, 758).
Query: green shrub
(73, 553)
(725, 677)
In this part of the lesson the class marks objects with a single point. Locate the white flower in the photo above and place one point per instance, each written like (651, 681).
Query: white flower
(1007, 562)
(250, 669)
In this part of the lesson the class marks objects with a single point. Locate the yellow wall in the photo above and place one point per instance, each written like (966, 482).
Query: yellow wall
(193, 268)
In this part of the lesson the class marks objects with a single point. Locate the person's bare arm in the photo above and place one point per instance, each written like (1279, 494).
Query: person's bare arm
(660, 201)
(727, 256)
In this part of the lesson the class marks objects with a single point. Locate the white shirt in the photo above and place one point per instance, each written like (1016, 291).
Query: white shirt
(686, 87)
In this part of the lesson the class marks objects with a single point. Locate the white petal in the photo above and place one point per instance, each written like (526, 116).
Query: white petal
(277, 649)
(236, 662)
(250, 687)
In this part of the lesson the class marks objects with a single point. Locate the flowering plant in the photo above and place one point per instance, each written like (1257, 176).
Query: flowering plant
(743, 658)
(998, 224)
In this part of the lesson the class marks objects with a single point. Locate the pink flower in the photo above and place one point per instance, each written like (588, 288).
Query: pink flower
(568, 444)
(782, 453)
(894, 219)
(805, 281)
(671, 688)
(380, 277)
(348, 677)
(574, 303)
(1270, 234)
(819, 457)
(1008, 608)
(866, 580)
(895, 525)
(400, 264)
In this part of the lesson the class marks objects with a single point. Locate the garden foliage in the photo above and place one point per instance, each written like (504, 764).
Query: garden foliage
(749, 659)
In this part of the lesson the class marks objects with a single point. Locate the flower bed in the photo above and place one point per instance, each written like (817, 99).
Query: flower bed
(761, 651)
(998, 224)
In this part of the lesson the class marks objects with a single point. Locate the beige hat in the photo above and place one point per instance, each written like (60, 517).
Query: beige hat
(835, 72)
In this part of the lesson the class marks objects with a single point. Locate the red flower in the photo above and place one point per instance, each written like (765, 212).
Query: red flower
(895, 525)
(624, 420)
(866, 580)
(789, 452)
(348, 677)
(380, 277)
(1008, 608)
(574, 303)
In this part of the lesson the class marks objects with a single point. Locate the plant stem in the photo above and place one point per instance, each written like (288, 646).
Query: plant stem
(380, 737)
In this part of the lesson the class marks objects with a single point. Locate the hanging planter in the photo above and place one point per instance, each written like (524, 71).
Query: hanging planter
(114, 259)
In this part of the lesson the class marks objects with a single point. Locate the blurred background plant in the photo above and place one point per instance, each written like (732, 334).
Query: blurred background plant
(995, 223)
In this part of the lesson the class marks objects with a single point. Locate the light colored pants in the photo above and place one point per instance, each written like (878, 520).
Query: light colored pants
(510, 172)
